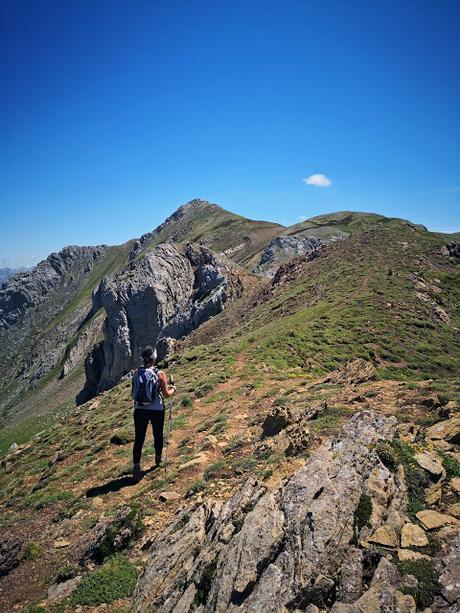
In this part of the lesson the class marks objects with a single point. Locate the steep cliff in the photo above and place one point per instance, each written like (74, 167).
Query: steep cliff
(166, 293)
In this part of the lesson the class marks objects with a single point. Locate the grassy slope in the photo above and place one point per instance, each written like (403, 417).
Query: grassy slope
(219, 230)
(267, 348)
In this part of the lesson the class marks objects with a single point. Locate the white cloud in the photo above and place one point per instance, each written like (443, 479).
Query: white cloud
(318, 180)
(302, 217)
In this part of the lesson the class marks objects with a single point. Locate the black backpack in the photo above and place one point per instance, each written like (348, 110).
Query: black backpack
(145, 385)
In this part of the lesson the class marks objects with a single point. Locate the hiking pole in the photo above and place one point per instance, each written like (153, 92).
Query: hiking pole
(171, 382)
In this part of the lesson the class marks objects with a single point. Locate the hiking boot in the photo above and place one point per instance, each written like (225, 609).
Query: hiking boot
(157, 460)
(137, 472)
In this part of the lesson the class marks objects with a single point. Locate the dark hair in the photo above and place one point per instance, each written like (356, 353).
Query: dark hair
(149, 354)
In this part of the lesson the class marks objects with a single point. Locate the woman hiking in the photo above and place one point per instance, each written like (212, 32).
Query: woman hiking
(149, 387)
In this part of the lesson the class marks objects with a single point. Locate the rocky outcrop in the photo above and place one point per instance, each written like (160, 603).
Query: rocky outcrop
(29, 289)
(271, 550)
(111, 535)
(451, 249)
(353, 371)
(81, 344)
(281, 249)
(165, 294)
(11, 555)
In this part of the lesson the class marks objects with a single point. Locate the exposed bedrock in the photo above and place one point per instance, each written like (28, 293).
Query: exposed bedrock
(273, 550)
(281, 249)
(28, 289)
(167, 293)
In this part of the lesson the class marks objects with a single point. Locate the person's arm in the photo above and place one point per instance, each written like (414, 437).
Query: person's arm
(166, 390)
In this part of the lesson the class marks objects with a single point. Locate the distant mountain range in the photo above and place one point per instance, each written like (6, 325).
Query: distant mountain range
(6, 273)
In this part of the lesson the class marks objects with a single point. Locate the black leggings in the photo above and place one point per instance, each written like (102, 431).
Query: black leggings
(142, 417)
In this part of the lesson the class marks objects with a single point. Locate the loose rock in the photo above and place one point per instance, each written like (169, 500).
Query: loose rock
(413, 536)
(434, 519)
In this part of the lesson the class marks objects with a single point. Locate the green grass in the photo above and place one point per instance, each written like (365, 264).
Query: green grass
(43, 498)
(116, 579)
(23, 431)
(33, 551)
(397, 452)
(363, 512)
(428, 584)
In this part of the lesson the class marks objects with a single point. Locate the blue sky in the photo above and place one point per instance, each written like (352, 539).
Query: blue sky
(113, 113)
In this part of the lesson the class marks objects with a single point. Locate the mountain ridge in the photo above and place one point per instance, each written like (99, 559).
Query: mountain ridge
(317, 414)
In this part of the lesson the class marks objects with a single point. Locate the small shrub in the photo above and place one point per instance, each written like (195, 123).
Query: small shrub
(214, 469)
(115, 579)
(197, 486)
(451, 466)
(122, 437)
(66, 572)
(428, 585)
(220, 423)
(363, 512)
(387, 455)
(204, 586)
(35, 608)
(204, 389)
(234, 443)
(186, 401)
(179, 422)
(33, 551)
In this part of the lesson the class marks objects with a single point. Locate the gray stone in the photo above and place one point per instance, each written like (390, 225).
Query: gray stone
(350, 585)
(165, 294)
(281, 249)
(264, 550)
(60, 591)
(450, 576)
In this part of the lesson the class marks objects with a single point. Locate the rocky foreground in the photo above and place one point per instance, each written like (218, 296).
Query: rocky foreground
(327, 538)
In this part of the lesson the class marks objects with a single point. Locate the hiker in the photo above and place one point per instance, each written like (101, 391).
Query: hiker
(149, 387)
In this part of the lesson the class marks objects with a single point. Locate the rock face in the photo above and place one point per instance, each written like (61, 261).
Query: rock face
(166, 294)
(270, 551)
(29, 289)
(7, 273)
(281, 249)
(41, 312)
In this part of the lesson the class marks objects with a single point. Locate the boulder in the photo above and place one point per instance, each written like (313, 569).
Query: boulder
(350, 585)
(413, 536)
(11, 555)
(448, 430)
(404, 603)
(60, 591)
(455, 484)
(168, 496)
(433, 519)
(454, 509)
(60, 543)
(433, 493)
(278, 419)
(430, 463)
(354, 371)
(385, 535)
(407, 555)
